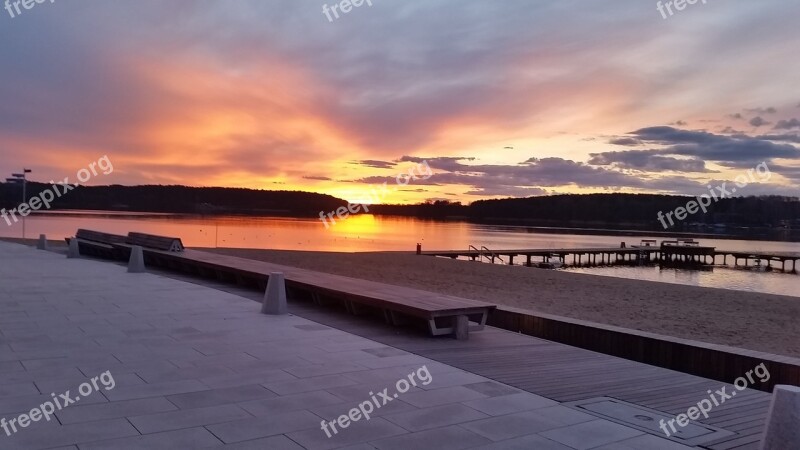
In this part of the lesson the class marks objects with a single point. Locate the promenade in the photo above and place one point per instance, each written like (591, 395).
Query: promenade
(196, 367)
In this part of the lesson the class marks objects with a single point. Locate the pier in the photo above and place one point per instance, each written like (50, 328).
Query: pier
(681, 252)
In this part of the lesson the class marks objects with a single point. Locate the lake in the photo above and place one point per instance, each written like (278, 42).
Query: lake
(362, 233)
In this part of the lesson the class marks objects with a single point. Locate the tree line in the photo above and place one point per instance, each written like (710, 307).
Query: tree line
(637, 211)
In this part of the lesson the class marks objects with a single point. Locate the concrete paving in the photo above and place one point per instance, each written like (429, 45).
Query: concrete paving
(195, 367)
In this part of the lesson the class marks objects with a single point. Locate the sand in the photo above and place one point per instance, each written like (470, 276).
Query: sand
(755, 321)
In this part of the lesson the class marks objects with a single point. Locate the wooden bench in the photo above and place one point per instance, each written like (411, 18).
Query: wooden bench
(168, 244)
(441, 314)
(97, 243)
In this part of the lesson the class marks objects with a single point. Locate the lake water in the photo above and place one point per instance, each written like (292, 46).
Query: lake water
(370, 233)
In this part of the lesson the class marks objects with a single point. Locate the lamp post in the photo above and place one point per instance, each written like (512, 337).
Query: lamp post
(23, 177)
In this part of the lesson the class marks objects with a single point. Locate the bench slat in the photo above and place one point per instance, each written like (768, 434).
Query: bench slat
(170, 244)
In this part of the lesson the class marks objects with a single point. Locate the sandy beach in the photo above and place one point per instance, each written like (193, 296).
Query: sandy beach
(755, 321)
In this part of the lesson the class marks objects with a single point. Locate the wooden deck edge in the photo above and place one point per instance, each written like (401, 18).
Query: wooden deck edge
(711, 361)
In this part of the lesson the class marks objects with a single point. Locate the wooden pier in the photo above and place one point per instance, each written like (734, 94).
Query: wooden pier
(683, 252)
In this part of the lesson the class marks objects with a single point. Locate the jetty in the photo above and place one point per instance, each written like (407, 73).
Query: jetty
(677, 252)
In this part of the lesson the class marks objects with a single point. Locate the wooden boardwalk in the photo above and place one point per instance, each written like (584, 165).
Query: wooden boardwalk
(556, 371)
(567, 374)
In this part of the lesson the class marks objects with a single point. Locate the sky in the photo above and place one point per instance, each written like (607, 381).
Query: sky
(509, 98)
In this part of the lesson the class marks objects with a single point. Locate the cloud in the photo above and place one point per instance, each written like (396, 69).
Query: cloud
(769, 110)
(375, 164)
(790, 172)
(669, 135)
(734, 151)
(758, 121)
(508, 192)
(647, 160)
(626, 141)
(795, 138)
(317, 178)
(787, 124)
(448, 163)
(535, 176)
(731, 130)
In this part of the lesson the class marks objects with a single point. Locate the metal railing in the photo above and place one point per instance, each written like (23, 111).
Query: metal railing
(490, 255)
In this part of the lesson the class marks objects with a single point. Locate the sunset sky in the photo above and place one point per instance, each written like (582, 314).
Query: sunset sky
(501, 98)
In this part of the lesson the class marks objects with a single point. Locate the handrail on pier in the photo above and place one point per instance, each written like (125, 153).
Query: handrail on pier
(481, 254)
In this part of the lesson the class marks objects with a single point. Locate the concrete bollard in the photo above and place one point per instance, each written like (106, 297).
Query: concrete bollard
(136, 263)
(275, 296)
(74, 251)
(783, 421)
(42, 244)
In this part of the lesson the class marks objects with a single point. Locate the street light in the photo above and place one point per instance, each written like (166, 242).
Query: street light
(22, 177)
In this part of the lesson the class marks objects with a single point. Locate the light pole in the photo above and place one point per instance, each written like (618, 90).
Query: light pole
(22, 176)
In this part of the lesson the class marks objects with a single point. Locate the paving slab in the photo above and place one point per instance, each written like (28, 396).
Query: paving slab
(587, 435)
(188, 418)
(450, 438)
(436, 417)
(190, 438)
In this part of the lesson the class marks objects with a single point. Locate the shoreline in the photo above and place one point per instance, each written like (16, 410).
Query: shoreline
(748, 320)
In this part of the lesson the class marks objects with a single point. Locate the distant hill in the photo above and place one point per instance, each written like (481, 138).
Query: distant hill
(634, 211)
(180, 199)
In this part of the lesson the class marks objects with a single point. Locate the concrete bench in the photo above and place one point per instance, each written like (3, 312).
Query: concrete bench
(97, 243)
(441, 314)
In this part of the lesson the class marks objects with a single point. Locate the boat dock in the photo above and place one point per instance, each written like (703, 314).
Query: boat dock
(685, 252)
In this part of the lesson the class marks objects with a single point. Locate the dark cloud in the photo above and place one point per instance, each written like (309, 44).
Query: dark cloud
(794, 138)
(625, 141)
(448, 163)
(787, 124)
(535, 176)
(318, 178)
(731, 130)
(758, 121)
(669, 136)
(734, 151)
(375, 164)
(508, 192)
(647, 160)
(790, 172)
(769, 110)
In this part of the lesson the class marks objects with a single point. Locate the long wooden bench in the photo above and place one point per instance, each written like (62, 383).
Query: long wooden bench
(97, 243)
(442, 314)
